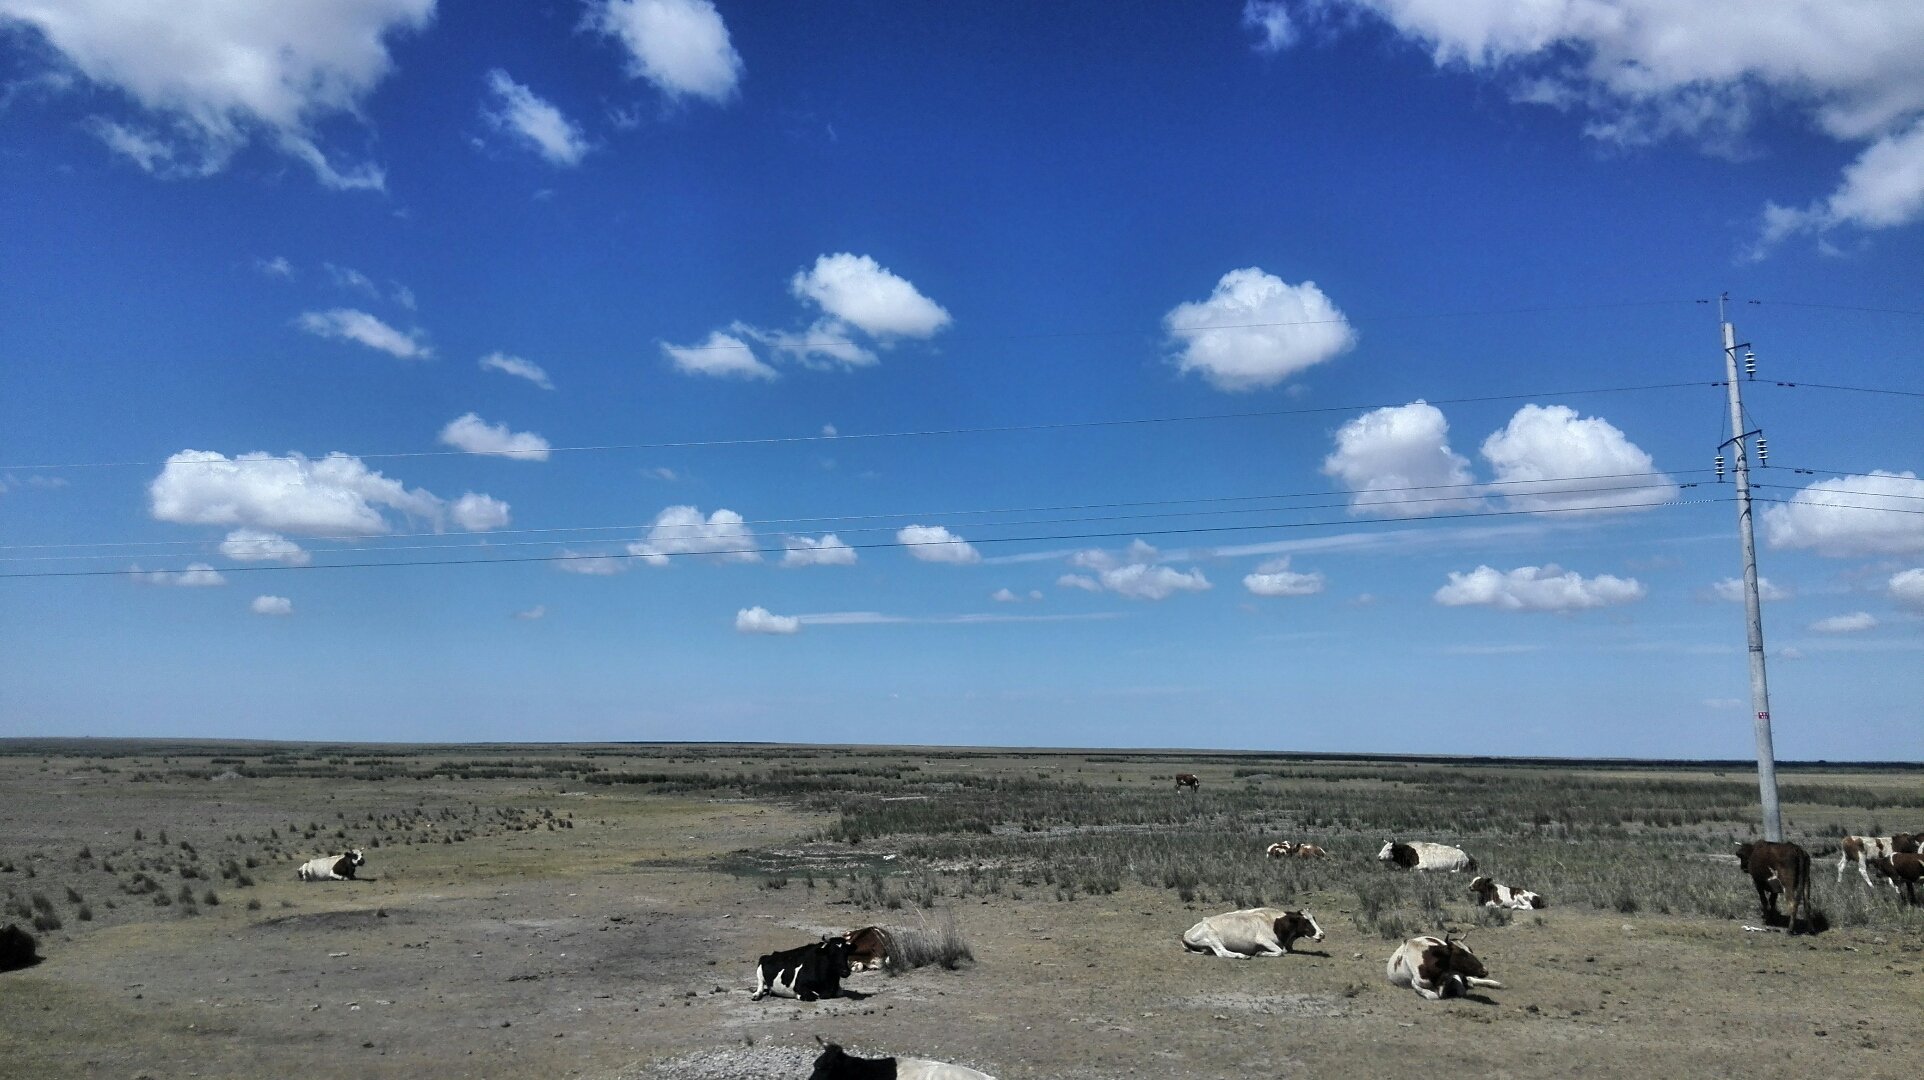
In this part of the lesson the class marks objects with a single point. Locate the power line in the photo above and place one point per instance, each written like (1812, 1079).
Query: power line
(880, 545)
(833, 342)
(1845, 491)
(1839, 307)
(1852, 389)
(1471, 490)
(865, 529)
(1846, 506)
(916, 433)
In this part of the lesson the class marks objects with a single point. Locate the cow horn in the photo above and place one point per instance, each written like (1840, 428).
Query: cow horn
(818, 1039)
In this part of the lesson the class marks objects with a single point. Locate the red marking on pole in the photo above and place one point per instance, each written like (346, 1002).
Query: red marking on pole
(1763, 716)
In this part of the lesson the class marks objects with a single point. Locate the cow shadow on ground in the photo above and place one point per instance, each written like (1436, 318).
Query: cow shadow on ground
(1481, 999)
(854, 995)
(1309, 952)
(1813, 923)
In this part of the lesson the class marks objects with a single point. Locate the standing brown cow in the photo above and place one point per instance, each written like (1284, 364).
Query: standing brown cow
(1778, 869)
(1189, 781)
(1904, 867)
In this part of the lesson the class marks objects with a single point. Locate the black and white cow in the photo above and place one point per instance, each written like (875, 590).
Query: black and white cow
(811, 971)
(17, 949)
(1423, 855)
(1438, 967)
(332, 867)
(837, 1064)
(1489, 894)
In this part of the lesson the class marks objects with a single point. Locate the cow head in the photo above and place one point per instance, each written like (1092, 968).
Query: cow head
(835, 951)
(1279, 849)
(1297, 924)
(1455, 957)
(1744, 851)
(1484, 889)
(354, 856)
(1907, 843)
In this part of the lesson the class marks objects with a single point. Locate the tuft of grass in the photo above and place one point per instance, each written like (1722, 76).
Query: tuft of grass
(943, 945)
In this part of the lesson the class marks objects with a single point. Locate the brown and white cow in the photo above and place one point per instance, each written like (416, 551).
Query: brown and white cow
(1308, 851)
(1906, 867)
(1862, 849)
(1423, 855)
(1778, 869)
(1188, 781)
(1279, 849)
(868, 948)
(1263, 931)
(1438, 967)
(1490, 894)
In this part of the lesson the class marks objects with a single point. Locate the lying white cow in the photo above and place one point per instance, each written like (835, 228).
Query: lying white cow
(1422, 855)
(1490, 894)
(332, 867)
(837, 1064)
(1437, 968)
(1263, 931)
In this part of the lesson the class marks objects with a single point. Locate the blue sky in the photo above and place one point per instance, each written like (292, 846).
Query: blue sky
(1310, 376)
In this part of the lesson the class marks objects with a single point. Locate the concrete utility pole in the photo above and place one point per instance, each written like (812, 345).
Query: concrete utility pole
(1753, 610)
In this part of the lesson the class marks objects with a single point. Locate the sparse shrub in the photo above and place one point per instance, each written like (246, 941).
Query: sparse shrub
(73, 895)
(253, 904)
(45, 921)
(85, 914)
(210, 898)
(916, 948)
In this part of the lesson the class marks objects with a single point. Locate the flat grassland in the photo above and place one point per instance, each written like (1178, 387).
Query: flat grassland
(595, 911)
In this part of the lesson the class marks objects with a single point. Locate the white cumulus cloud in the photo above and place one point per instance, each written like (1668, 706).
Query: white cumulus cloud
(207, 77)
(519, 368)
(758, 620)
(1533, 588)
(1854, 623)
(534, 121)
(1543, 454)
(1907, 588)
(337, 495)
(826, 550)
(479, 513)
(935, 543)
(588, 565)
(1256, 330)
(539, 611)
(1732, 589)
(260, 545)
(1275, 578)
(1397, 461)
(858, 291)
(681, 46)
(1137, 573)
(1270, 20)
(476, 436)
(272, 605)
(196, 576)
(1647, 70)
(722, 355)
(682, 530)
(1849, 516)
(348, 324)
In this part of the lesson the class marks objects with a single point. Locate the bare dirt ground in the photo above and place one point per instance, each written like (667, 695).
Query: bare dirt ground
(622, 948)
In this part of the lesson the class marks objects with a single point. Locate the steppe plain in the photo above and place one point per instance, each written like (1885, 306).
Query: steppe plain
(595, 911)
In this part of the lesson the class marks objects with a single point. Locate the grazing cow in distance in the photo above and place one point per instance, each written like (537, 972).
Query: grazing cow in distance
(1778, 869)
(868, 948)
(811, 971)
(1490, 894)
(1906, 867)
(1188, 781)
(1423, 855)
(17, 949)
(1262, 931)
(1437, 968)
(332, 867)
(837, 1064)
(1309, 851)
(1862, 849)
(1278, 850)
